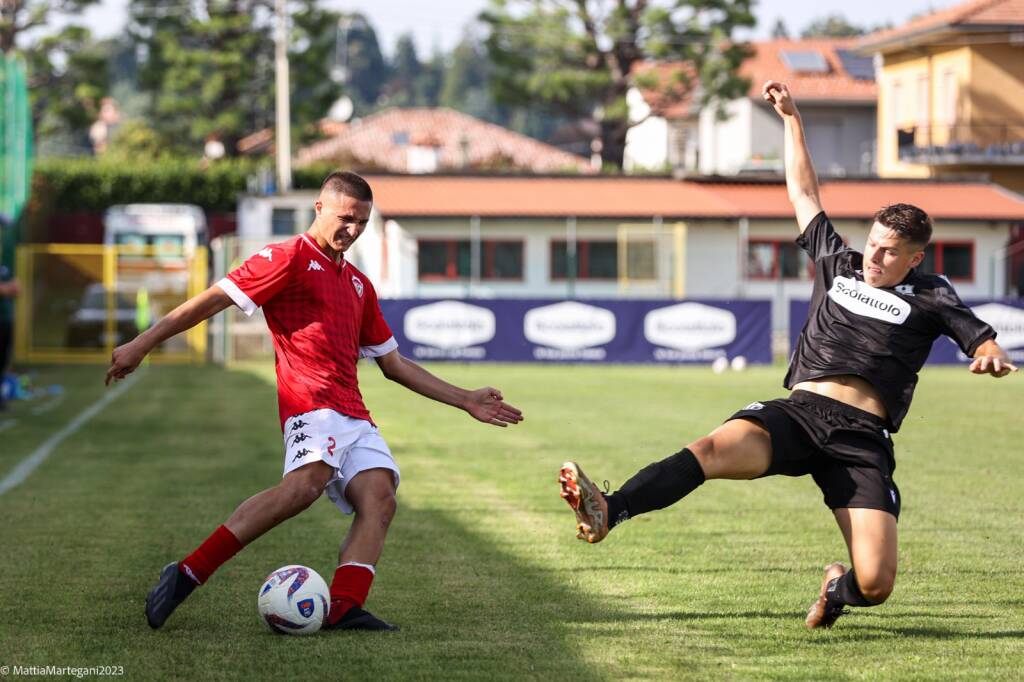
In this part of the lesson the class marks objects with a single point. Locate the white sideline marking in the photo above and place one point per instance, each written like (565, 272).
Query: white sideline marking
(29, 464)
(43, 409)
(7, 423)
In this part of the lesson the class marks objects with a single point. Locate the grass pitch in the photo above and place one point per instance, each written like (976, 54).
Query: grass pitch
(482, 569)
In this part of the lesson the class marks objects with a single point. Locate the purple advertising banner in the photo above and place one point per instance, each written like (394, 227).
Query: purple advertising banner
(536, 330)
(1005, 316)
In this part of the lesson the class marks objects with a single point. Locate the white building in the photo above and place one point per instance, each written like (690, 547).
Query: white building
(833, 86)
(518, 237)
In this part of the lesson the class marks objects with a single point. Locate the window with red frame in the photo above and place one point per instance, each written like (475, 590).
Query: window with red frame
(777, 259)
(594, 260)
(955, 260)
(452, 259)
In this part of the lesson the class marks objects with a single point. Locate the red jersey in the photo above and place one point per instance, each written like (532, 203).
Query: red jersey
(322, 315)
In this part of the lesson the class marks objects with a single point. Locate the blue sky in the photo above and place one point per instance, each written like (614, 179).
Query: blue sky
(441, 22)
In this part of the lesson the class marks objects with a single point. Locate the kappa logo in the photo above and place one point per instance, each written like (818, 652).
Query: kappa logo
(905, 289)
(301, 453)
(313, 265)
(358, 284)
(754, 406)
(299, 438)
(190, 574)
(892, 493)
(298, 425)
(266, 253)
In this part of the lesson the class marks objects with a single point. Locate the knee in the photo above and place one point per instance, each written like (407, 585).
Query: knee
(299, 495)
(380, 502)
(707, 454)
(876, 585)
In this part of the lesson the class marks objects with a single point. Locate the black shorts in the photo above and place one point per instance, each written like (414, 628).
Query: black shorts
(847, 451)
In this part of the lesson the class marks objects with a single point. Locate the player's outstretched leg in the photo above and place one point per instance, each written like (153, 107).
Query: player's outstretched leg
(656, 486)
(173, 588)
(587, 501)
(825, 611)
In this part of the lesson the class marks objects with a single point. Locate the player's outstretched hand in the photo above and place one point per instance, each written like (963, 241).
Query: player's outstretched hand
(777, 94)
(487, 405)
(124, 360)
(990, 364)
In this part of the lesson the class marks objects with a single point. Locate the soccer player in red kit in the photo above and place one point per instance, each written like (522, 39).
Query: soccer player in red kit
(323, 315)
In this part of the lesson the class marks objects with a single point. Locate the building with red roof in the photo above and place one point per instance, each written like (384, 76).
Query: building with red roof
(951, 93)
(430, 140)
(506, 236)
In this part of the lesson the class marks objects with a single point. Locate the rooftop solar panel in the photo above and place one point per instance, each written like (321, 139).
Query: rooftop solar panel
(804, 61)
(858, 66)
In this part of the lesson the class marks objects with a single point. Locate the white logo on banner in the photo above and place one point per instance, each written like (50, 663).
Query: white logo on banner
(569, 326)
(449, 324)
(1006, 320)
(690, 326)
(863, 299)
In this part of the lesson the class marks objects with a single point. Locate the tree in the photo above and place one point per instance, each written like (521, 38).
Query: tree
(313, 49)
(67, 73)
(578, 57)
(833, 26)
(779, 30)
(18, 17)
(405, 69)
(358, 61)
(209, 67)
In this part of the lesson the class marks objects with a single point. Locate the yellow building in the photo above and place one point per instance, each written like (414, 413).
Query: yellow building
(951, 93)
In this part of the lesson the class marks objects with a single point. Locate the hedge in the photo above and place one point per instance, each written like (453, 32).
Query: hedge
(87, 184)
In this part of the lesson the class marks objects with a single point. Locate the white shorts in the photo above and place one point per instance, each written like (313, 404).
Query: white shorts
(348, 444)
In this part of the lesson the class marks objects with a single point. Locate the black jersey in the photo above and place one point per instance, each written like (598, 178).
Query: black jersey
(883, 335)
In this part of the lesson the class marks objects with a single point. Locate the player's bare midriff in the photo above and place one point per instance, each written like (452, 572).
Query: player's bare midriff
(849, 389)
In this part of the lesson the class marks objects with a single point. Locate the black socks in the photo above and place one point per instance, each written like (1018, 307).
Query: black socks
(656, 486)
(844, 591)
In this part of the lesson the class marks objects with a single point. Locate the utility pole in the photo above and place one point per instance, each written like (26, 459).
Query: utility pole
(283, 139)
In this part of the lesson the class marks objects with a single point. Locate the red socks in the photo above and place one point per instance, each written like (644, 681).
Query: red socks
(208, 557)
(349, 588)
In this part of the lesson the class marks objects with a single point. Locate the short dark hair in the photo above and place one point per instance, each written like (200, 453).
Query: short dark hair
(908, 221)
(348, 184)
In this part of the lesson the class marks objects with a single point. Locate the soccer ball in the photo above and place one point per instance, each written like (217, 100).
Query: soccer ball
(294, 600)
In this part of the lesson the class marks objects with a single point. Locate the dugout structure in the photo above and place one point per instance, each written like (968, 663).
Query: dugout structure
(79, 301)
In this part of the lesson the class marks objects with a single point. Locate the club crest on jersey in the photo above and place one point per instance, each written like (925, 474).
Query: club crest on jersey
(313, 265)
(266, 253)
(358, 284)
(865, 300)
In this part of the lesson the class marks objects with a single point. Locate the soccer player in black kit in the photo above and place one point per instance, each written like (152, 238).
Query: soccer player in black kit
(871, 325)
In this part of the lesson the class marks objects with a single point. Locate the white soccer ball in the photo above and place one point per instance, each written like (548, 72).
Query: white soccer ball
(294, 600)
(739, 363)
(720, 364)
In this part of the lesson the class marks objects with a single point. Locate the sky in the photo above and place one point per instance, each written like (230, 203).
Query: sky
(440, 23)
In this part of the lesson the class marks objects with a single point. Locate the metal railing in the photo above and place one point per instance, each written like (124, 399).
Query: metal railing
(986, 143)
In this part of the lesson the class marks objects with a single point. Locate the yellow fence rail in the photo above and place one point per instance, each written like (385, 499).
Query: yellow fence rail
(79, 301)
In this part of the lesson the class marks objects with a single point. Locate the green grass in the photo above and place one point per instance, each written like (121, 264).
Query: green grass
(482, 569)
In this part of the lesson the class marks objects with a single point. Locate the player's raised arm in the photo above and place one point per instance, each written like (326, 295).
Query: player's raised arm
(127, 357)
(484, 404)
(801, 180)
(990, 358)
